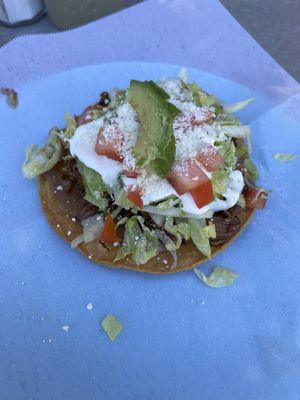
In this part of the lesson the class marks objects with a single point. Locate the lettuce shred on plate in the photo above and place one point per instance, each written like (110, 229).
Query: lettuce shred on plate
(157, 165)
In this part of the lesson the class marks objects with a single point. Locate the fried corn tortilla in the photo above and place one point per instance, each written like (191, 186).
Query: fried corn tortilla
(187, 255)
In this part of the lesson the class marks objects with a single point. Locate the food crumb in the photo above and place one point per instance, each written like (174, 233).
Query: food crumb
(69, 233)
(65, 328)
(59, 188)
(89, 257)
(158, 258)
(89, 306)
(73, 219)
(165, 261)
(58, 226)
(98, 218)
(115, 244)
(11, 97)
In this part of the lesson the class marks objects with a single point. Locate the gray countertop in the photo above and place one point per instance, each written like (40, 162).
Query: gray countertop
(274, 24)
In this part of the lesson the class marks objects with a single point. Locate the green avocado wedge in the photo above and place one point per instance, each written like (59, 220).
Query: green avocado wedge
(155, 145)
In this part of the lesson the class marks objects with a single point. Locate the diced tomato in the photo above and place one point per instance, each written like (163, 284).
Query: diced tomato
(109, 232)
(203, 194)
(88, 115)
(109, 148)
(134, 194)
(130, 173)
(210, 158)
(186, 176)
(255, 197)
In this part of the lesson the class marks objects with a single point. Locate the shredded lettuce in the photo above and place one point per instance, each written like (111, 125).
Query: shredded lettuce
(121, 199)
(169, 202)
(95, 188)
(179, 230)
(92, 228)
(139, 242)
(175, 212)
(224, 119)
(235, 131)
(183, 74)
(218, 278)
(200, 234)
(231, 108)
(201, 98)
(117, 98)
(40, 160)
(71, 126)
(169, 245)
(251, 168)
(111, 326)
(219, 182)
(227, 151)
(158, 219)
(284, 157)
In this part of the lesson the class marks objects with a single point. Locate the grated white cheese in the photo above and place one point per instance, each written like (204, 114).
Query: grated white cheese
(65, 328)
(175, 90)
(193, 131)
(123, 121)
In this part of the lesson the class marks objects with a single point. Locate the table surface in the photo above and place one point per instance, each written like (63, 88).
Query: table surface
(274, 24)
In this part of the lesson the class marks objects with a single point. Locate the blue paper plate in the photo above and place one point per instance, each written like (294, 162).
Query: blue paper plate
(181, 340)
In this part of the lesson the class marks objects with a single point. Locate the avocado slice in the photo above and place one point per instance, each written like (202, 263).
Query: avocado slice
(155, 145)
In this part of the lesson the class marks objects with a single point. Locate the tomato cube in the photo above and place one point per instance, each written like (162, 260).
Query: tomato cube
(109, 147)
(186, 176)
(134, 194)
(109, 232)
(210, 158)
(203, 194)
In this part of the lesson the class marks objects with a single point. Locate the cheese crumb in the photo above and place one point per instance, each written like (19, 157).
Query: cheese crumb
(66, 328)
